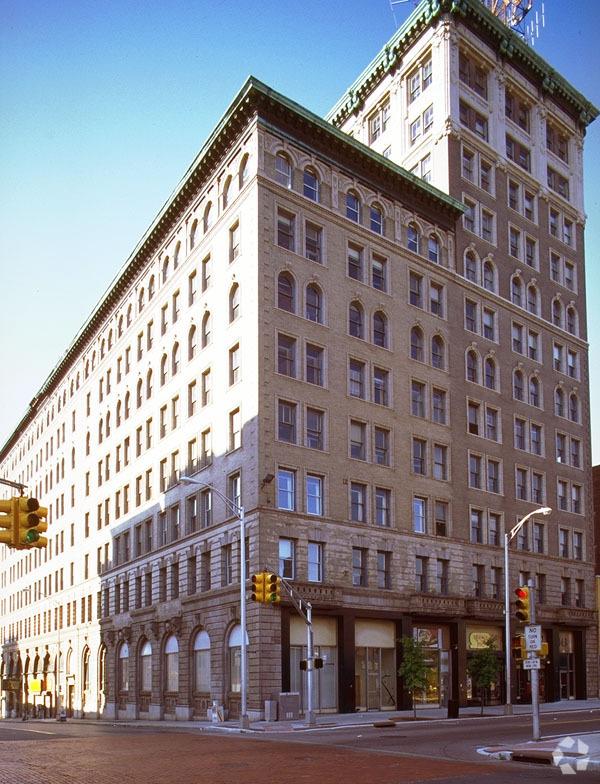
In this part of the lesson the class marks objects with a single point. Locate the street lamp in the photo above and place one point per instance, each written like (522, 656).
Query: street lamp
(508, 537)
(238, 511)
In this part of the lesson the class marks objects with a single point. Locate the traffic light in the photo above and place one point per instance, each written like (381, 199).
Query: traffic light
(272, 588)
(8, 522)
(258, 587)
(522, 594)
(318, 663)
(31, 523)
(518, 648)
(543, 651)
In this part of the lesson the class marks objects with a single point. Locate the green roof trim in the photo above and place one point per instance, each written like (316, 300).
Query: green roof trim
(253, 98)
(472, 12)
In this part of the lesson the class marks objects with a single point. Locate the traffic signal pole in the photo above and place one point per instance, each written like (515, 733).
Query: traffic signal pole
(535, 673)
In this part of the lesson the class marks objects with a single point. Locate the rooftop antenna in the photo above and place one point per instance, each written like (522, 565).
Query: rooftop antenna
(513, 13)
(400, 2)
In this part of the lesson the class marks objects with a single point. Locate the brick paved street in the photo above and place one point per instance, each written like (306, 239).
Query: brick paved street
(189, 758)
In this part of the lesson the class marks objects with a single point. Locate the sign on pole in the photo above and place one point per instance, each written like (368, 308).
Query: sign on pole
(531, 664)
(533, 637)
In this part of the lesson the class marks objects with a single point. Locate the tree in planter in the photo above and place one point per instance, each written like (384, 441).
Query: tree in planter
(414, 668)
(483, 668)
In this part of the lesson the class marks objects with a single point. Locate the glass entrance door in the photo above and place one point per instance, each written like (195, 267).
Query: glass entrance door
(375, 679)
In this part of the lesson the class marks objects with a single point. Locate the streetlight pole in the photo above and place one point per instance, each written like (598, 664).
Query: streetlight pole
(508, 537)
(239, 513)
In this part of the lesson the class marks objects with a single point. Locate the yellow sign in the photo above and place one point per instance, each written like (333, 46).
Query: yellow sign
(35, 686)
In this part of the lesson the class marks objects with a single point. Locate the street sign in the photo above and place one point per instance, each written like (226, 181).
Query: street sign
(533, 637)
(531, 664)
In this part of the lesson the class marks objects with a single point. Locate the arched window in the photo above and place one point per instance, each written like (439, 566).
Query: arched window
(235, 658)
(192, 342)
(226, 192)
(417, 344)
(353, 206)
(107, 425)
(129, 315)
(244, 174)
(141, 300)
(94, 353)
(355, 320)
(571, 320)
(376, 219)
(165, 270)
(206, 327)
(489, 276)
(172, 664)
(110, 342)
(151, 287)
(123, 668)
(164, 365)
(534, 392)
(85, 670)
(149, 384)
(490, 373)
(438, 352)
(471, 267)
(234, 302)
(138, 397)
(433, 249)
(175, 359)
(73, 457)
(202, 663)
(283, 170)
(146, 667)
(380, 329)
(100, 430)
(314, 307)
(413, 238)
(573, 407)
(516, 291)
(311, 184)
(127, 406)
(117, 415)
(518, 390)
(193, 233)
(286, 292)
(472, 367)
(119, 327)
(176, 255)
(559, 402)
(532, 299)
(208, 218)
(102, 349)
(557, 312)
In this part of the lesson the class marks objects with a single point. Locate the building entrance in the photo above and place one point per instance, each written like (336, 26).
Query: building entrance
(375, 679)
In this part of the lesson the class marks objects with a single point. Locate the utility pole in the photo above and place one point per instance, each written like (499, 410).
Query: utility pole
(535, 673)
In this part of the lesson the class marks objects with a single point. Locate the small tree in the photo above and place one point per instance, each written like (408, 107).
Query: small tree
(414, 668)
(483, 668)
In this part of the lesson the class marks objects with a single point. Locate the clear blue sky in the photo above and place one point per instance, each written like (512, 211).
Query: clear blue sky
(104, 103)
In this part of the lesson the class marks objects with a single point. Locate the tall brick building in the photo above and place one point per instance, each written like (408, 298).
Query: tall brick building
(386, 377)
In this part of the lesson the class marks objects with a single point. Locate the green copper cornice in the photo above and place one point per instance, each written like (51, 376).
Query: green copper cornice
(475, 15)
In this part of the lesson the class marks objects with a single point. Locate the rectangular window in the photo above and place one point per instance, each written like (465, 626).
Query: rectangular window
(314, 429)
(419, 515)
(314, 494)
(357, 440)
(476, 526)
(287, 559)
(356, 378)
(359, 566)
(378, 273)
(381, 446)
(235, 429)
(286, 356)
(381, 386)
(234, 364)
(355, 262)
(286, 223)
(313, 243)
(287, 422)
(382, 507)
(234, 241)
(440, 461)
(314, 365)
(421, 574)
(419, 456)
(383, 569)
(315, 562)
(418, 399)
(358, 494)
(286, 489)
